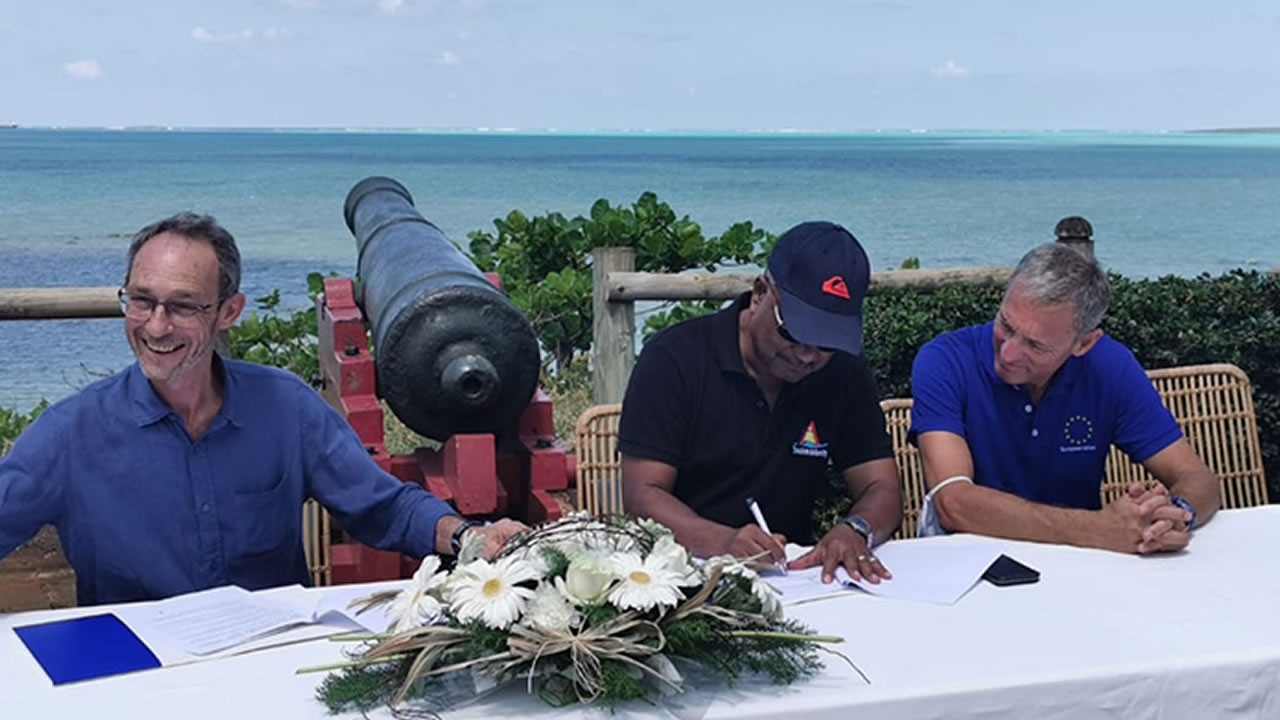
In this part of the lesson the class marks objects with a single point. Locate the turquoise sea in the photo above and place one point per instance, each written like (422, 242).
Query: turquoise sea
(70, 199)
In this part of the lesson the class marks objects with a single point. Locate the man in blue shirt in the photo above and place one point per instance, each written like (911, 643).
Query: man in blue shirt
(1014, 420)
(187, 470)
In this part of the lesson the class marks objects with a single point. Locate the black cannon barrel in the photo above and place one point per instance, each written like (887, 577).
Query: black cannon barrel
(452, 353)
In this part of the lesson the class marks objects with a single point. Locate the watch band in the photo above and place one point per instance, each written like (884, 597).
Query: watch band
(455, 539)
(1182, 502)
(860, 526)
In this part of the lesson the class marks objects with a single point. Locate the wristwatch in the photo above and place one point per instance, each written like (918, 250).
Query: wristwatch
(1182, 503)
(455, 540)
(860, 526)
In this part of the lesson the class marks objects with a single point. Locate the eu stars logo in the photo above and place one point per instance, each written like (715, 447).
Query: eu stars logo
(1077, 433)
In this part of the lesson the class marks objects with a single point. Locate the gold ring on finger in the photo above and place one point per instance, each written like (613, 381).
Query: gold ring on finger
(862, 558)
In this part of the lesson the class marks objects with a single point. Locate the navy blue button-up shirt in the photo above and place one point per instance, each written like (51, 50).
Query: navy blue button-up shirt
(143, 512)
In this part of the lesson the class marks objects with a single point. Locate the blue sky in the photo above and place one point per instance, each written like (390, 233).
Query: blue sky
(660, 64)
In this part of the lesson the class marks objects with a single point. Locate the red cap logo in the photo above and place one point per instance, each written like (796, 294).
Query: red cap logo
(834, 285)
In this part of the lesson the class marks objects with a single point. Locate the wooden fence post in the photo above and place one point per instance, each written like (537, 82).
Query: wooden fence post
(613, 328)
(1076, 232)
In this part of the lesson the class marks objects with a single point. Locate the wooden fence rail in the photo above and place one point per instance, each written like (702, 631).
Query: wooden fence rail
(622, 286)
(617, 287)
(58, 303)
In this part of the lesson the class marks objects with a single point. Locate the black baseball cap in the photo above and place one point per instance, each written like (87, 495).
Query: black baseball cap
(821, 274)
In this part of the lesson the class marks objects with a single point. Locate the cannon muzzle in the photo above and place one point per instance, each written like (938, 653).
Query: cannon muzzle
(453, 354)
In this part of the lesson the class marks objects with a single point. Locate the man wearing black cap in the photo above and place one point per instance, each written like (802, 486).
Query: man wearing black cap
(754, 402)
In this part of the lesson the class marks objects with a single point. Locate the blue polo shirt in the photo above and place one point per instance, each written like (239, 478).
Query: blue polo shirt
(143, 512)
(1052, 453)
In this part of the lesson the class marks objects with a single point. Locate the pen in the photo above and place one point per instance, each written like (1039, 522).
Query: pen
(759, 516)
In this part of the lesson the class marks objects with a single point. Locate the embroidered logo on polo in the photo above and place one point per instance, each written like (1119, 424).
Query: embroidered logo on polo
(809, 445)
(1077, 434)
(834, 285)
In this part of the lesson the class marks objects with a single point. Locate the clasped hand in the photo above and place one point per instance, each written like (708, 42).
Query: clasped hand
(1144, 521)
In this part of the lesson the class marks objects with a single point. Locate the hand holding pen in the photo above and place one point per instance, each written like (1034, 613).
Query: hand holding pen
(756, 540)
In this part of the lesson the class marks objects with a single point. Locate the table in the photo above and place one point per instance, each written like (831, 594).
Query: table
(1192, 635)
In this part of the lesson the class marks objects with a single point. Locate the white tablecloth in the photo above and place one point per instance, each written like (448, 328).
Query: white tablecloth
(1192, 635)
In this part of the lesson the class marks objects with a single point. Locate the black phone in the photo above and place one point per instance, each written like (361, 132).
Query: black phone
(1007, 571)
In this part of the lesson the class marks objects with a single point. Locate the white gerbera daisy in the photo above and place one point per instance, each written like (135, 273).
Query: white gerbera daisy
(551, 610)
(490, 592)
(644, 584)
(418, 604)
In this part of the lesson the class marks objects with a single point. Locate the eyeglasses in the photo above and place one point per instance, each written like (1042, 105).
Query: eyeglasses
(777, 315)
(140, 307)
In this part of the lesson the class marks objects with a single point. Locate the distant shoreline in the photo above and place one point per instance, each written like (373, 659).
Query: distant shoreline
(1240, 131)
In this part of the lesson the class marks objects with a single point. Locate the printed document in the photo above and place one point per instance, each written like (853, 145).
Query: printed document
(205, 622)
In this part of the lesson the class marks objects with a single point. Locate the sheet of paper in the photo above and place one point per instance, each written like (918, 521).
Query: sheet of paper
(922, 571)
(797, 586)
(336, 601)
(206, 622)
(929, 572)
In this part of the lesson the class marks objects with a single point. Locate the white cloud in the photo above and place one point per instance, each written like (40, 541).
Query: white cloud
(390, 7)
(950, 69)
(272, 33)
(199, 34)
(449, 58)
(83, 69)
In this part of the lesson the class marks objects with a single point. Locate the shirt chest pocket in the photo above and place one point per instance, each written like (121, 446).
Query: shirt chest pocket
(265, 513)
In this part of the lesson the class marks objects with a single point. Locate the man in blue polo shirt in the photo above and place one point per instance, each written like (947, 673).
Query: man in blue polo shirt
(754, 402)
(1014, 420)
(187, 470)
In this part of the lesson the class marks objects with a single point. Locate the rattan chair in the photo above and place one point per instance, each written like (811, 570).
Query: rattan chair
(1213, 405)
(599, 467)
(897, 417)
(315, 543)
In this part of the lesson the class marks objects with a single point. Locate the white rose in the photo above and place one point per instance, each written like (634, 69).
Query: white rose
(588, 579)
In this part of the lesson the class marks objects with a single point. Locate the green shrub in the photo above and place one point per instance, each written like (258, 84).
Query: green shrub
(1232, 318)
(13, 422)
(545, 261)
(270, 336)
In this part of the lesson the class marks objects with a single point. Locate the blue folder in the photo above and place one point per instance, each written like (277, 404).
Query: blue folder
(86, 647)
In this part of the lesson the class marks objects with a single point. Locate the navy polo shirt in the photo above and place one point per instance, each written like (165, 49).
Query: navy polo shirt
(691, 404)
(143, 512)
(1052, 453)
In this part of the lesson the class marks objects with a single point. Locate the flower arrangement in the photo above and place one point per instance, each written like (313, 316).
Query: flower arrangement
(583, 610)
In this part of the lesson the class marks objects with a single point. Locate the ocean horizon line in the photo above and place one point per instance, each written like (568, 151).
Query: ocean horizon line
(491, 130)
